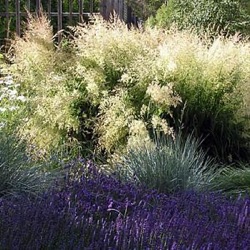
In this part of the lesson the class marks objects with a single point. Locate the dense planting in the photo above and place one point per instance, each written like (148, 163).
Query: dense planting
(98, 211)
(151, 106)
(108, 87)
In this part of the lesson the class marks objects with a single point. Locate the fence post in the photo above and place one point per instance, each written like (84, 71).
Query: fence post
(28, 5)
(59, 20)
(7, 19)
(49, 9)
(70, 11)
(103, 8)
(91, 7)
(38, 7)
(80, 11)
(18, 19)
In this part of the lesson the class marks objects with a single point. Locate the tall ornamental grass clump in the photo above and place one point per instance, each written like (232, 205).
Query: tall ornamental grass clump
(103, 88)
(169, 165)
(108, 87)
(213, 82)
(123, 78)
(39, 67)
(100, 212)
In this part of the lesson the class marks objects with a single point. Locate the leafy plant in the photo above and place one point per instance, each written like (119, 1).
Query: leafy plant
(225, 16)
(169, 165)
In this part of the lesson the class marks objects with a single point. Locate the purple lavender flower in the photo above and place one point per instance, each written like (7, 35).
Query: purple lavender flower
(100, 212)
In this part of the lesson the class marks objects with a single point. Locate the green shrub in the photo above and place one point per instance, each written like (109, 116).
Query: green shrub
(168, 165)
(224, 16)
(144, 9)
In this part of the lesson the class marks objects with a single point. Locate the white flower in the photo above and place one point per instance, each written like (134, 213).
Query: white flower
(2, 109)
(12, 93)
(21, 98)
(2, 124)
(12, 108)
(8, 80)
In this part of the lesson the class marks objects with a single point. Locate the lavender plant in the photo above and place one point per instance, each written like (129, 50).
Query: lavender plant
(100, 212)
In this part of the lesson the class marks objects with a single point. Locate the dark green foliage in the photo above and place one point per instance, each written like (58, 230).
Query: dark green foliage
(234, 181)
(226, 16)
(145, 8)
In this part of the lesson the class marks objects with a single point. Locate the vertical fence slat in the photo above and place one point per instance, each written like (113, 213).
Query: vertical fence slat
(80, 11)
(38, 7)
(91, 6)
(106, 5)
(18, 18)
(59, 20)
(119, 12)
(116, 7)
(102, 8)
(27, 5)
(70, 11)
(7, 19)
(125, 12)
(49, 9)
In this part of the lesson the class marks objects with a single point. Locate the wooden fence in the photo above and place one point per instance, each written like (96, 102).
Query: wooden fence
(58, 11)
(120, 7)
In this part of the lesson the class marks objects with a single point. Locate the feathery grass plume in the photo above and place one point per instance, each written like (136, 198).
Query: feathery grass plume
(39, 68)
(110, 79)
(212, 78)
(168, 165)
(121, 70)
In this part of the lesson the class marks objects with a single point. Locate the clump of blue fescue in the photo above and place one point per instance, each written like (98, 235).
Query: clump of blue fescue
(169, 165)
